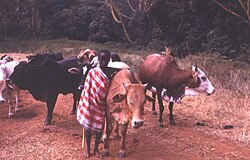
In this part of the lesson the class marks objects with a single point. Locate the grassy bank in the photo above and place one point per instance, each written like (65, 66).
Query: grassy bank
(229, 105)
(64, 46)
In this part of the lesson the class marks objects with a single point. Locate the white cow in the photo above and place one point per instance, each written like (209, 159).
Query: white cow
(4, 59)
(8, 91)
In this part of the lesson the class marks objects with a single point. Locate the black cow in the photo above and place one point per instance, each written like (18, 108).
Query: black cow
(115, 57)
(57, 56)
(94, 62)
(45, 78)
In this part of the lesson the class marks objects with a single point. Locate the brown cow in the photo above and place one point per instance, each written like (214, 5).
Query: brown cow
(125, 99)
(163, 73)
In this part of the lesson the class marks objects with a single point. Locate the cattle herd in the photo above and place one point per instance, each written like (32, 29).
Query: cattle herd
(46, 75)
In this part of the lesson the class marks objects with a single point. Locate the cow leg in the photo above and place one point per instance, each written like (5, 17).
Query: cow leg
(17, 101)
(116, 131)
(153, 104)
(76, 99)
(11, 108)
(160, 106)
(122, 132)
(171, 117)
(50, 107)
(107, 132)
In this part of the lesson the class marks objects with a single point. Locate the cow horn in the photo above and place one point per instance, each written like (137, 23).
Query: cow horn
(40, 63)
(9, 84)
(30, 59)
(73, 70)
(145, 85)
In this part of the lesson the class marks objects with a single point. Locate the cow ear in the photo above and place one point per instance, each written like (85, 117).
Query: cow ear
(149, 98)
(168, 50)
(118, 98)
(195, 76)
(73, 70)
(125, 85)
(195, 68)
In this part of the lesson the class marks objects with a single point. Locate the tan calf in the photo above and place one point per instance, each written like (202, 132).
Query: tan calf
(125, 101)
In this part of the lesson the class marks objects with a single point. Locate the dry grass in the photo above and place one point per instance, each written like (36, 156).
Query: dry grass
(229, 105)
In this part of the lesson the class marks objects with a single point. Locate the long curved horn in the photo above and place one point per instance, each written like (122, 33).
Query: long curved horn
(32, 65)
(145, 85)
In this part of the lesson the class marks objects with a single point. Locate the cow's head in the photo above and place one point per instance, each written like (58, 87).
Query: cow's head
(7, 69)
(25, 73)
(21, 72)
(85, 56)
(6, 58)
(134, 100)
(201, 84)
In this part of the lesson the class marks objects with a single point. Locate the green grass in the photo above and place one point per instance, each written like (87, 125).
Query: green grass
(64, 46)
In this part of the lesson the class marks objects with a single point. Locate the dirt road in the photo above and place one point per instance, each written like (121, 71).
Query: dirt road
(26, 137)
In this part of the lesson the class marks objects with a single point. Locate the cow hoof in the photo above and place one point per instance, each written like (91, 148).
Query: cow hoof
(46, 122)
(86, 154)
(104, 137)
(117, 137)
(98, 154)
(160, 124)
(105, 153)
(154, 113)
(172, 123)
(73, 112)
(10, 115)
(122, 155)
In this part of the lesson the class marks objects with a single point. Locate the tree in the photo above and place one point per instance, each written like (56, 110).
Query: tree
(245, 4)
(124, 13)
(29, 16)
(7, 17)
(19, 18)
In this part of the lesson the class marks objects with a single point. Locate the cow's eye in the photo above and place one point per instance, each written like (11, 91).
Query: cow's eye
(203, 78)
(130, 103)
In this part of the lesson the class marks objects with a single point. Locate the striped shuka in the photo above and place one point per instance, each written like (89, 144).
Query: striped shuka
(91, 108)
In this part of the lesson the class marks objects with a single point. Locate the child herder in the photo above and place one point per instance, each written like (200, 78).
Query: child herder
(91, 109)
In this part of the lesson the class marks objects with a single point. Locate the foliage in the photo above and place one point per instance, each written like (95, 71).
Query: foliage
(186, 26)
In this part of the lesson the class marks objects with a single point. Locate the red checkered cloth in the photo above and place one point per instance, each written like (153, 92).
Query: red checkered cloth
(91, 108)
